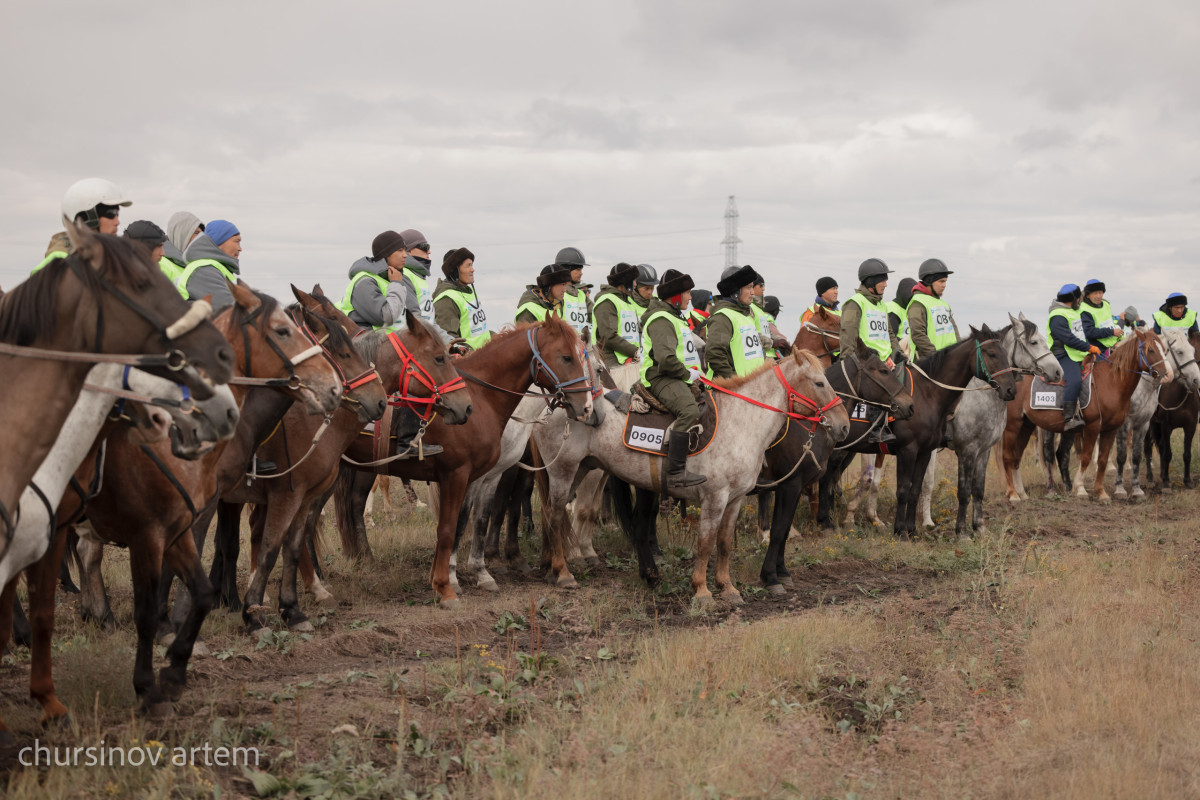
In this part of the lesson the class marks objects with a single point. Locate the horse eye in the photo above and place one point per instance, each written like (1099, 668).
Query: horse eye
(282, 332)
(821, 384)
(440, 360)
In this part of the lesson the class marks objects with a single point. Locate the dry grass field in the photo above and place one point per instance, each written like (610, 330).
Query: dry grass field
(1053, 656)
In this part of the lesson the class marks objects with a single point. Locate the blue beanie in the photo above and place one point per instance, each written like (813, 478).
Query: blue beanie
(1068, 293)
(1094, 285)
(221, 231)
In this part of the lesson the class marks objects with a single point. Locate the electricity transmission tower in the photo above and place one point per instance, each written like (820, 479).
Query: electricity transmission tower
(731, 240)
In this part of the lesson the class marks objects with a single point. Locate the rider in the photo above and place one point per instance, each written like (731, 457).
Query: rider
(771, 308)
(1175, 314)
(734, 343)
(93, 202)
(1130, 318)
(827, 298)
(1100, 326)
(898, 308)
(376, 295)
(212, 260)
(182, 228)
(615, 317)
(864, 318)
(1064, 333)
(765, 322)
(456, 304)
(669, 366)
(643, 287)
(418, 294)
(150, 235)
(577, 305)
(698, 316)
(931, 325)
(546, 296)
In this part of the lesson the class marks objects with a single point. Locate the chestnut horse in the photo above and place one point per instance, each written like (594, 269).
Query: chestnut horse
(499, 375)
(1113, 383)
(104, 299)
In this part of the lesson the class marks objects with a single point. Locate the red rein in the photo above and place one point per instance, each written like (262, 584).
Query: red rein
(792, 395)
(411, 369)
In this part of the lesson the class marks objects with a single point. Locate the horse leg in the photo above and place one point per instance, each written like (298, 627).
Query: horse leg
(864, 483)
(8, 602)
(145, 564)
(350, 496)
(1015, 442)
(925, 499)
(1122, 440)
(828, 482)
(712, 513)
(226, 548)
(453, 491)
(185, 560)
(774, 571)
(514, 515)
(289, 596)
(1048, 441)
(281, 511)
(725, 533)
(587, 514)
(978, 489)
(42, 576)
(1062, 456)
(1135, 470)
(22, 634)
(766, 504)
(1189, 430)
(968, 462)
(1104, 447)
(93, 598)
(410, 494)
(910, 473)
(876, 480)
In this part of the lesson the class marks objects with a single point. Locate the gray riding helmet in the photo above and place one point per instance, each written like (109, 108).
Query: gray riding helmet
(647, 275)
(572, 256)
(871, 268)
(933, 268)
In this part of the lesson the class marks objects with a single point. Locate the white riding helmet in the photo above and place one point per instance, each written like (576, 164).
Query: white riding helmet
(85, 195)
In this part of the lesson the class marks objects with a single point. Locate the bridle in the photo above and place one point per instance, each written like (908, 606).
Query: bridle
(793, 395)
(825, 336)
(348, 384)
(1027, 348)
(538, 366)
(411, 370)
(859, 372)
(292, 381)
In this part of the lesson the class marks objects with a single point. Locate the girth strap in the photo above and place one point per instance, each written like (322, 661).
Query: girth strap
(170, 476)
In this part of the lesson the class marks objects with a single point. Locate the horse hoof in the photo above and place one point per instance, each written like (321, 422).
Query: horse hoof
(489, 586)
(787, 580)
(567, 582)
(1081, 492)
(1137, 494)
(593, 562)
(60, 723)
(1120, 493)
(1190, 483)
(964, 538)
(777, 589)
(449, 603)
(326, 600)
(733, 597)
(1104, 500)
(302, 627)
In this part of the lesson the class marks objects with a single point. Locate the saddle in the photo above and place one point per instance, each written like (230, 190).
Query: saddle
(1049, 396)
(646, 431)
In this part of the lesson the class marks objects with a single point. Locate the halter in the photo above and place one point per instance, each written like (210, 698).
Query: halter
(348, 384)
(808, 326)
(185, 405)
(410, 370)
(792, 396)
(1019, 340)
(538, 365)
(292, 381)
(1150, 371)
(981, 365)
(850, 394)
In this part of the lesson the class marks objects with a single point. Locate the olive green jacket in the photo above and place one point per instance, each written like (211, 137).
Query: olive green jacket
(662, 333)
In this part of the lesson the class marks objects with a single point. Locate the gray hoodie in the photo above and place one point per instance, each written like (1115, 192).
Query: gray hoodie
(208, 279)
(180, 227)
(412, 300)
(372, 307)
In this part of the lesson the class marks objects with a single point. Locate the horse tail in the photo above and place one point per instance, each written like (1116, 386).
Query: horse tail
(998, 453)
(343, 510)
(622, 499)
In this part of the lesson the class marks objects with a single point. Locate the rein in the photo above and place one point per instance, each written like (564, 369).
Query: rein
(292, 381)
(792, 395)
(348, 384)
(185, 405)
(538, 364)
(253, 475)
(410, 370)
(987, 375)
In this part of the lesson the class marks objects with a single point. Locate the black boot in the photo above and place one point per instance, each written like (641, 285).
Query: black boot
(677, 474)
(1071, 415)
(262, 466)
(880, 433)
(406, 426)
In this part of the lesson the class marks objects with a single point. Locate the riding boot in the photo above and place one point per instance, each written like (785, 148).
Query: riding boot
(880, 432)
(262, 466)
(1071, 414)
(407, 426)
(677, 474)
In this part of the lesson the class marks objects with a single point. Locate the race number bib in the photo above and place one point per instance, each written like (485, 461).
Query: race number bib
(627, 322)
(1045, 399)
(1077, 327)
(877, 326)
(478, 319)
(751, 345)
(425, 303)
(691, 359)
(943, 324)
(650, 437)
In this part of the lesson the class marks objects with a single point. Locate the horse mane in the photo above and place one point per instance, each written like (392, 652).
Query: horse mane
(738, 381)
(336, 332)
(28, 310)
(368, 342)
(1030, 329)
(1124, 356)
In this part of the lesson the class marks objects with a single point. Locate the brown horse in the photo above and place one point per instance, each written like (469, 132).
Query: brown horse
(1178, 407)
(286, 509)
(150, 499)
(499, 375)
(1113, 383)
(105, 298)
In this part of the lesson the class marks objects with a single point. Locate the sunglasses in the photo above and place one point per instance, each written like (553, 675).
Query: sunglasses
(108, 212)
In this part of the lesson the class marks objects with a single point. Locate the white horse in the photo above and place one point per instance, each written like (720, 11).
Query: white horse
(731, 462)
(33, 533)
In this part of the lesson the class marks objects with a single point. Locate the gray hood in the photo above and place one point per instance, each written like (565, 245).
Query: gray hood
(180, 227)
(204, 247)
(365, 264)
(172, 252)
(1058, 304)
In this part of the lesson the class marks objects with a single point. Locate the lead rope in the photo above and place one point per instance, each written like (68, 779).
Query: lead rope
(253, 474)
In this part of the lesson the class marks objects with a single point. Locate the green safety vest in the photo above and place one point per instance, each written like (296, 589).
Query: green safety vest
(575, 310)
(186, 275)
(51, 256)
(873, 326)
(424, 298)
(746, 347)
(1076, 322)
(685, 350)
(346, 306)
(472, 320)
(170, 268)
(939, 324)
(1102, 317)
(1165, 320)
(900, 311)
(627, 321)
(538, 310)
(764, 320)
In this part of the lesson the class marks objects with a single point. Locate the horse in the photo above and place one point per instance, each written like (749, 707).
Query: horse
(1113, 383)
(1177, 407)
(750, 409)
(286, 512)
(151, 500)
(103, 301)
(499, 375)
(38, 542)
(935, 383)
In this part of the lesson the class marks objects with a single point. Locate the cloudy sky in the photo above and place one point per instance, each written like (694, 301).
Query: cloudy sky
(1027, 144)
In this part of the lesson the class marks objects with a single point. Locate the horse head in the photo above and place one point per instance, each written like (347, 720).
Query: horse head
(991, 363)
(1153, 356)
(560, 367)
(1183, 356)
(1027, 350)
(878, 384)
(362, 388)
(452, 400)
(817, 390)
(819, 335)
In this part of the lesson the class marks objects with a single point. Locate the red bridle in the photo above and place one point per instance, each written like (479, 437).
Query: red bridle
(792, 394)
(411, 370)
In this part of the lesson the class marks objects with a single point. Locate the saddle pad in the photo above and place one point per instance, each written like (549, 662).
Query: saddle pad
(1049, 396)
(647, 433)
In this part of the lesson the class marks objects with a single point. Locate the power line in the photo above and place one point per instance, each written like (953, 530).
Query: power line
(562, 239)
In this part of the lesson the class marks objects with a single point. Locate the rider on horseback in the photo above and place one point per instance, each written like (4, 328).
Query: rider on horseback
(772, 340)
(94, 202)
(931, 324)
(375, 297)
(698, 316)
(898, 309)
(734, 342)
(546, 296)
(827, 298)
(1100, 326)
(1064, 334)
(1175, 314)
(457, 308)
(149, 234)
(865, 319)
(670, 365)
(643, 288)
(182, 229)
(577, 305)
(212, 260)
(615, 317)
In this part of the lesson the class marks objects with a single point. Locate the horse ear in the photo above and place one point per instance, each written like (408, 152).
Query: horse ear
(317, 290)
(84, 244)
(974, 331)
(412, 323)
(243, 295)
(860, 349)
(1013, 320)
(300, 295)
